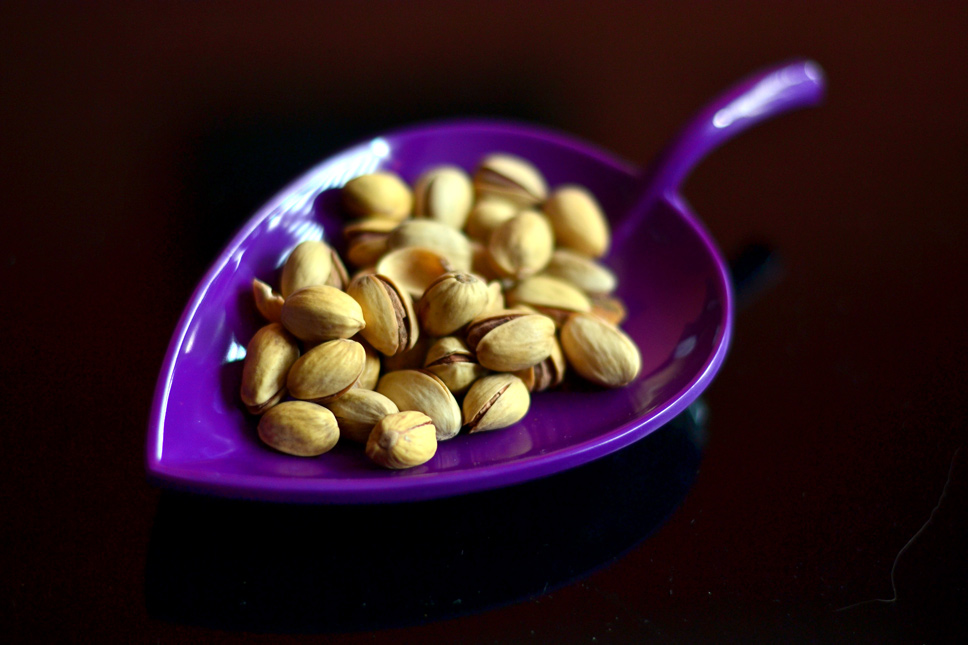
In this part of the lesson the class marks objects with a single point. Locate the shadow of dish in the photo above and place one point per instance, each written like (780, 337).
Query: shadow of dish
(253, 566)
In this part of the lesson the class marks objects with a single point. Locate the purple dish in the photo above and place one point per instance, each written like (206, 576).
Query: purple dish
(671, 276)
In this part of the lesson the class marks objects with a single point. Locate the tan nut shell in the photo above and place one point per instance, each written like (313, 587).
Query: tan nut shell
(488, 214)
(513, 340)
(447, 242)
(511, 178)
(548, 373)
(578, 221)
(495, 401)
(366, 239)
(444, 194)
(371, 368)
(326, 371)
(299, 428)
(413, 268)
(269, 357)
(522, 246)
(551, 296)
(402, 440)
(358, 411)
(391, 325)
(267, 301)
(422, 391)
(309, 264)
(580, 270)
(450, 302)
(599, 351)
(322, 313)
(382, 194)
(450, 360)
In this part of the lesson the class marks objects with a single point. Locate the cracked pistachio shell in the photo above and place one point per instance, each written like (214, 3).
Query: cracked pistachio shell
(309, 264)
(322, 313)
(578, 221)
(391, 325)
(450, 360)
(422, 391)
(510, 178)
(380, 194)
(411, 359)
(450, 302)
(269, 357)
(299, 428)
(522, 246)
(326, 371)
(548, 373)
(358, 411)
(402, 440)
(366, 239)
(495, 401)
(447, 242)
(553, 297)
(413, 268)
(444, 194)
(267, 301)
(509, 340)
(488, 214)
(610, 308)
(580, 270)
(599, 351)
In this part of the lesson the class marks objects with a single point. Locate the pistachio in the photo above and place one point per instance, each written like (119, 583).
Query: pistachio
(450, 360)
(423, 391)
(488, 214)
(580, 270)
(508, 340)
(299, 428)
(381, 194)
(599, 351)
(521, 246)
(553, 297)
(309, 264)
(366, 239)
(358, 411)
(402, 440)
(371, 367)
(610, 308)
(578, 221)
(338, 277)
(322, 313)
(411, 359)
(268, 358)
(481, 262)
(326, 371)
(495, 297)
(267, 301)
(547, 374)
(444, 194)
(391, 326)
(413, 268)
(450, 302)
(510, 178)
(447, 242)
(495, 401)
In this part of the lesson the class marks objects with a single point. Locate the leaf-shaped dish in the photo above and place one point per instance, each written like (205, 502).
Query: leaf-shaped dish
(671, 277)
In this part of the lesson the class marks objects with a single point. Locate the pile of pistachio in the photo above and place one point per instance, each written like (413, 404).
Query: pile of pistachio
(470, 294)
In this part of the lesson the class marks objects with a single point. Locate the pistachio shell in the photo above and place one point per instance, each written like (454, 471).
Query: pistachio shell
(383, 194)
(550, 296)
(326, 371)
(599, 351)
(322, 313)
(447, 242)
(358, 411)
(366, 239)
(548, 373)
(444, 194)
(580, 270)
(309, 264)
(522, 246)
(511, 178)
(487, 215)
(299, 428)
(578, 221)
(402, 440)
(371, 368)
(269, 357)
(450, 302)
(413, 268)
(391, 325)
(610, 308)
(267, 301)
(495, 401)
(422, 391)
(450, 360)
(509, 341)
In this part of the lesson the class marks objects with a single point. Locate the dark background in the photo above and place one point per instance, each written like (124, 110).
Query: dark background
(136, 138)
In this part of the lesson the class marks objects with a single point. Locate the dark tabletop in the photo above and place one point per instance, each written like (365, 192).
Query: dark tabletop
(816, 493)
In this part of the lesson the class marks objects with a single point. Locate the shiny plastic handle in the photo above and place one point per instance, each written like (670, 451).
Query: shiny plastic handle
(757, 98)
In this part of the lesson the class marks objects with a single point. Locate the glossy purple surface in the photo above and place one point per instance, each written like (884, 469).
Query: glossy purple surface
(671, 276)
